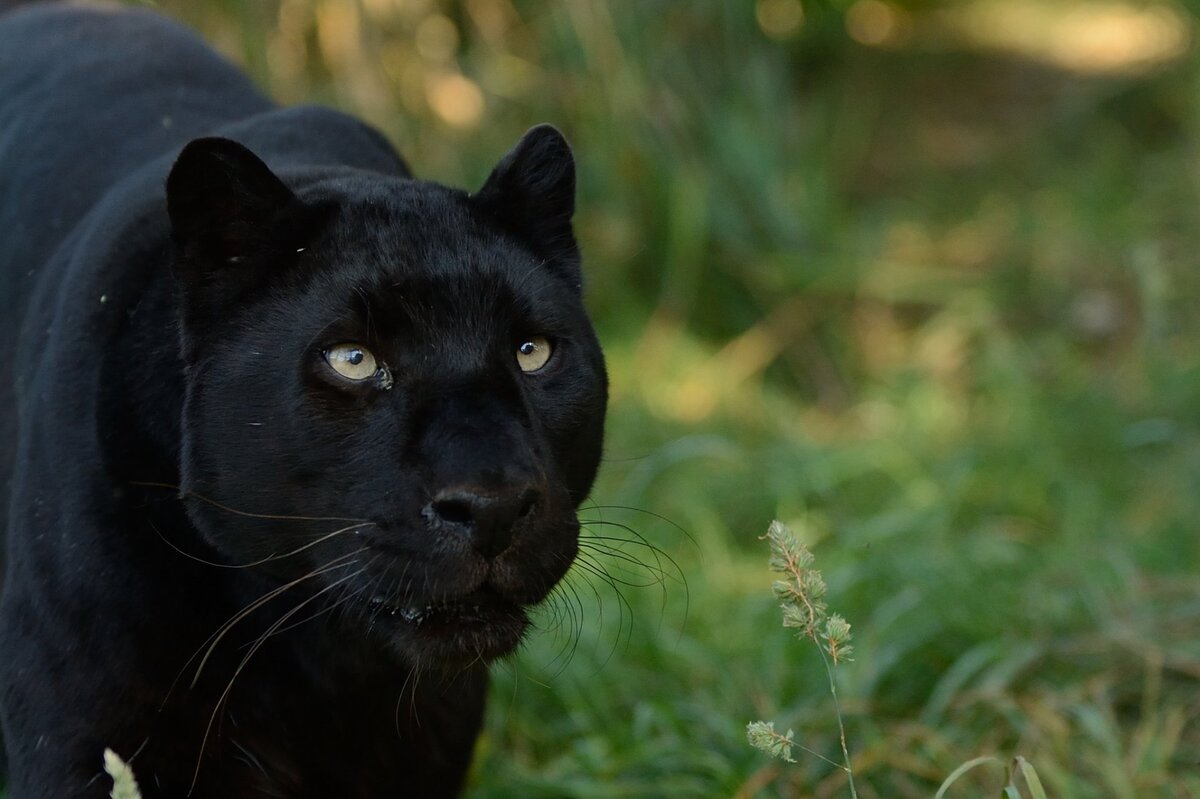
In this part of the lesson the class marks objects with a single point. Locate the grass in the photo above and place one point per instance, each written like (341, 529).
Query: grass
(800, 591)
(931, 303)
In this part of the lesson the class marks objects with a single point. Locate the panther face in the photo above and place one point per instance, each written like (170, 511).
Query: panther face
(395, 397)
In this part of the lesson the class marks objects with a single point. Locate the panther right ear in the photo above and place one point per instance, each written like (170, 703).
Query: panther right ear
(223, 201)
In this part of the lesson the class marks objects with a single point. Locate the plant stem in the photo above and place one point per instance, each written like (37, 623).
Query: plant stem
(837, 711)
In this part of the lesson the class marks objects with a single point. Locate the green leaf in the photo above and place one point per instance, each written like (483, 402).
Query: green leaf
(1036, 790)
(963, 769)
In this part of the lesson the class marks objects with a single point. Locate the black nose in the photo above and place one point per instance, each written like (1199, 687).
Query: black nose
(487, 517)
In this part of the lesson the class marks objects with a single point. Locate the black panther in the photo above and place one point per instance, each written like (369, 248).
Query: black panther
(290, 441)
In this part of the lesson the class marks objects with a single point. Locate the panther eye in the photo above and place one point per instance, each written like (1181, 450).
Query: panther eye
(351, 361)
(533, 353)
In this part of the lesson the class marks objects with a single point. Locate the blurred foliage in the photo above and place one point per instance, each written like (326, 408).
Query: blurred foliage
(917, 278)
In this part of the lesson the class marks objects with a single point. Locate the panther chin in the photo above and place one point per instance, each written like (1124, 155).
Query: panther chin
(478, 627)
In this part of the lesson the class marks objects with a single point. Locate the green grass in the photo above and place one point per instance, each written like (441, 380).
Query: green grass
(933, 306)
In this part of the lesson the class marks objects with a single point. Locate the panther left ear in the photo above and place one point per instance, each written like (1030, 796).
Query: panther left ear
(531, 192)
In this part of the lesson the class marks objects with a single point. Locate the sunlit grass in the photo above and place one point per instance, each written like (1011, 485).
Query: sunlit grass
(931, 305)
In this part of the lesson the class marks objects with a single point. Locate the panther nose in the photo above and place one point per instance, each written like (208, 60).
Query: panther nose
(488, 518)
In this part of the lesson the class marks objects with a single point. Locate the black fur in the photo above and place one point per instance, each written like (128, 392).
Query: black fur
(175, 443)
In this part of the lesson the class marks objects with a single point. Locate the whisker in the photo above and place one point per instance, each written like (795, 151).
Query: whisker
(267, 559)
(638, 540)
(659, 516)
(347, 595)
(573, 607)
(257, 645)
(216, 637)
(589, 567)
(616, 553)
(236, 512)
(659, 554)
(414, 675)
(595, 567)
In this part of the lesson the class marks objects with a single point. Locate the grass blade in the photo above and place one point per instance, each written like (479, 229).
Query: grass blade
(963, 769)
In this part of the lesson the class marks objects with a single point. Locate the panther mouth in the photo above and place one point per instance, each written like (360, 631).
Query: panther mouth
(477, 626)
(464, 610)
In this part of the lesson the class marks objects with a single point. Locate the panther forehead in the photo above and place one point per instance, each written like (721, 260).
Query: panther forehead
(401, 229)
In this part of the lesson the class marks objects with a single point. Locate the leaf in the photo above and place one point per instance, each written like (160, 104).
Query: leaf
(963, 769)
(1031, 777)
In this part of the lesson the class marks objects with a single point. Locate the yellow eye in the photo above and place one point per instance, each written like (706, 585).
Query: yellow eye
(351, 361)
(533, 353)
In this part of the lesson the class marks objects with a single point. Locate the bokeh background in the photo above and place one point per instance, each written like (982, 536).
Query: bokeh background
(919, 279)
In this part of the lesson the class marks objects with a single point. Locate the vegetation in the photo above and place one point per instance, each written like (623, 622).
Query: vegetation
(917, 279)
(124, 784)
(801, 593)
